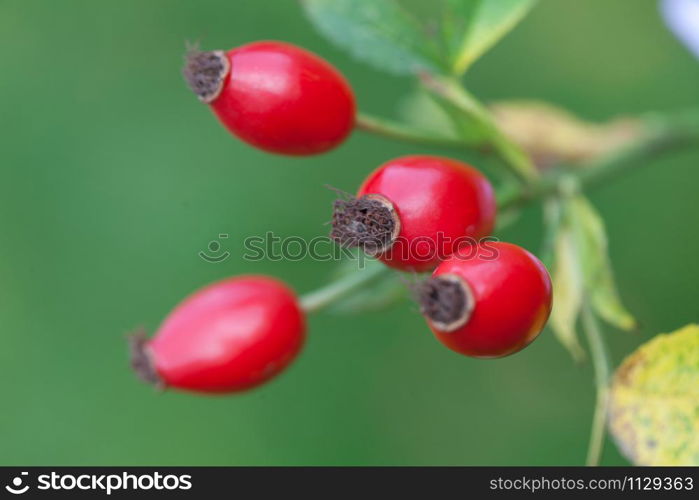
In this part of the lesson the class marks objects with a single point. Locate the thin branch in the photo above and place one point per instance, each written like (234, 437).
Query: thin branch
(660, 138)
(336, 290)
(454, 96)
(600, 363)
(404, 133)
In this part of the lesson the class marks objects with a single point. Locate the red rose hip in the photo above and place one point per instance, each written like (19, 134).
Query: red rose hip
(414, 211)
(275, 96)
(227, 337)
(487, 301)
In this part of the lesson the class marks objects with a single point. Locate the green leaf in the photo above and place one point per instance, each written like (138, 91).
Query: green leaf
(568, 291)
(406, 36)
(654, 401)
(380, 32)
(493, 19)
(596, 266)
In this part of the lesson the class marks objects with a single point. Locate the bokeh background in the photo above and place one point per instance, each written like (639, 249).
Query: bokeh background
(113, 178)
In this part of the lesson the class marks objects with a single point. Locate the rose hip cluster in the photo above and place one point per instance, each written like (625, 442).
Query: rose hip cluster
(484, 299)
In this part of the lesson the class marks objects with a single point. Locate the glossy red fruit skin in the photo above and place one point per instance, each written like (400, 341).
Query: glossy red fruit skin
(285, 100)
(229, 336)
(512, 295)
(432, 195)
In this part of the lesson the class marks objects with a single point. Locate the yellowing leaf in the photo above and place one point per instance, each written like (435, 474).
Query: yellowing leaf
(607, 303)
(582, 271)
(554, 136)
(567, 293)
(596, 266)
(654, 401)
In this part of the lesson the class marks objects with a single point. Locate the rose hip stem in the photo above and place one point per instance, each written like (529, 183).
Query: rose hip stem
(327, 295)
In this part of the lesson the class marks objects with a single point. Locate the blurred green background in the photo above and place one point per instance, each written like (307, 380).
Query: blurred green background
(114, 177)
